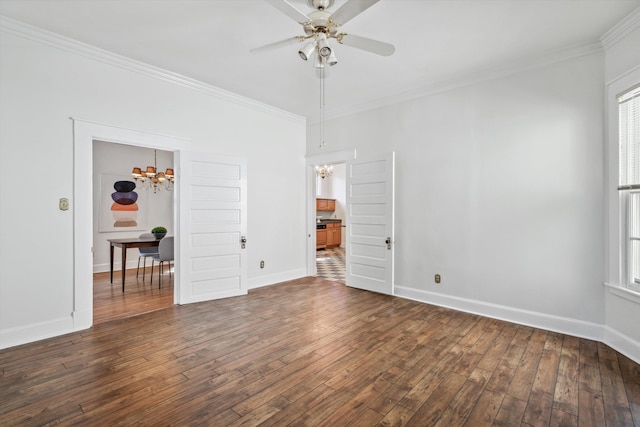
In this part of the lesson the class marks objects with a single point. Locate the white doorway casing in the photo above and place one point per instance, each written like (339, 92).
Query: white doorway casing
(84, 133)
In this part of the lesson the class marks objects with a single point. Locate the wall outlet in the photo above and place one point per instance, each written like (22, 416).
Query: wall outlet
(261, 264)
(437, 278)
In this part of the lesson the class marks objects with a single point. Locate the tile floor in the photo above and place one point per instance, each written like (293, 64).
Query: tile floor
(330, 264)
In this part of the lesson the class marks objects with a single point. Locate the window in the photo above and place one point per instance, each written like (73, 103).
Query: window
(629, 183)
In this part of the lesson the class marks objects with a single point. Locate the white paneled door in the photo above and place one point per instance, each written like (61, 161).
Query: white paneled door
(213, 225)
(370, 223)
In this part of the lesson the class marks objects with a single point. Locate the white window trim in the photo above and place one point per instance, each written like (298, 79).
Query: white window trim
(627, 277)
(625, 293)
(616, 276)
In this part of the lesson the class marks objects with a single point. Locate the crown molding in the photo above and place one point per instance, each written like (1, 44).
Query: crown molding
(622, 29)
(467, 78)
(58, 41)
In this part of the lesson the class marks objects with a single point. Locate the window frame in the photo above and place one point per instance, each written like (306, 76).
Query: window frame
(618, 243)
(627, 266)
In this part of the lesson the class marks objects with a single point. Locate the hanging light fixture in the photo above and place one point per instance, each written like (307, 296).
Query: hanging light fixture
(323, 47)
(320, 50)
(307, 50)
(324, 171)
(151, 178)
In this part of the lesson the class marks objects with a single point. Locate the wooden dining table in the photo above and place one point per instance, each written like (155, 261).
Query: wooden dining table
(126, 243)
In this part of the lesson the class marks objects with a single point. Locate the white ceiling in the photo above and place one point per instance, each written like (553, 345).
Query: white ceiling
(436, 41)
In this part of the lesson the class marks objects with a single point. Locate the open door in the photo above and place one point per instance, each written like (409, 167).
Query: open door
(370, 223)
(213, 224)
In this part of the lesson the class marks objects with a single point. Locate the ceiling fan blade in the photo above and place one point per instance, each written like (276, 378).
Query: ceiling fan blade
(289, 10)
(350, 10)
(370, 45)
(277, 45)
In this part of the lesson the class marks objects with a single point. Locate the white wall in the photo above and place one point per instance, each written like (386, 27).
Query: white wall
(157, 208)
(499, 189)
(44, 81)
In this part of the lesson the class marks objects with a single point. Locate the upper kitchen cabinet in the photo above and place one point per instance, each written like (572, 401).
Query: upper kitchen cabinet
(326, 205)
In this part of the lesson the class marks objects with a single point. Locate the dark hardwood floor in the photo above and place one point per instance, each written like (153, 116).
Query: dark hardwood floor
(314, 352)
(139, 296)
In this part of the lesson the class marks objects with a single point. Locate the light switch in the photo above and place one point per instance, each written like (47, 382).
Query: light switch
(64, 204)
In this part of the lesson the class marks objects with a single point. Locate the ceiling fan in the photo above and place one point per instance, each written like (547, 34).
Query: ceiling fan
(320, 26)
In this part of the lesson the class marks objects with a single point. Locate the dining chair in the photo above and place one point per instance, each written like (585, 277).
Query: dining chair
(165, 253)
(144, 253)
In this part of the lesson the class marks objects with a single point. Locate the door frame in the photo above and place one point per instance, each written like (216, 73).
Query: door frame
(311, 161)
(84, 133)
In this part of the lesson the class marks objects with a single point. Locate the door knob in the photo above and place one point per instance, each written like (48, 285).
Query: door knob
(388, 242)
(243, 242)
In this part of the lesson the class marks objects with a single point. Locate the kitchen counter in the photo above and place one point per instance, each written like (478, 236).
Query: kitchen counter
(328, 220)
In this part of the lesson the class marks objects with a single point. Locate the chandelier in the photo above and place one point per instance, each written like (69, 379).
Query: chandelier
(151, 178)
(324, 171)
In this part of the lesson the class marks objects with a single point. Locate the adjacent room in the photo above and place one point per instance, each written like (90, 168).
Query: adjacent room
(359, 212)
(130, 213)
(330, 215)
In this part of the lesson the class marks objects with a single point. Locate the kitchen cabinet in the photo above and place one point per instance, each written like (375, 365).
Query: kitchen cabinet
(321, 239)
(337, 233)
(326, 205)
(329, 237)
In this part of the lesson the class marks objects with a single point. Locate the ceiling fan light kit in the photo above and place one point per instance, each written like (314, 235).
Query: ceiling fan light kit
(307, 50)
(332, 60)
(320, 26)
(323, 47)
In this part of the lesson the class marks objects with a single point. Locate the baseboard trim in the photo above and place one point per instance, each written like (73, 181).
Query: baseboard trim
(622, 344)
(35, 332)
(117, 266)
(564, 325)
(272, 279)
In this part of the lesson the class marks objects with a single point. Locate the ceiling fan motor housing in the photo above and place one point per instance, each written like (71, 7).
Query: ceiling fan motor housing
(319, 22)
(320, 4)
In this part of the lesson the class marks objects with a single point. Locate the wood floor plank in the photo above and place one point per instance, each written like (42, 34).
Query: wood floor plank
(525, 373)
(398, 416)
(562, 418)
(540, 401)
(511, 412)
(590, 409)
(485, 409)
(439, 400)
(293, 411)
(314, 352)
(616, 403)
(630, 372)
(565, 396)
(457, 412)
(539, 408)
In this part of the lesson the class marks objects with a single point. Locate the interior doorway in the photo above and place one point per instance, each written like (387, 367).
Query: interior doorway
(84, 133)
(330, 219)
(130, 214)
